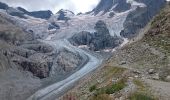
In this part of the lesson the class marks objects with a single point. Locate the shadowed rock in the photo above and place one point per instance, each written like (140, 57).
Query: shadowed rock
(101, 39)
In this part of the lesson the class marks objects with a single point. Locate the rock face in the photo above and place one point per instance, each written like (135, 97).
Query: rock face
(41, 14)
(53, 25)
(98, 40)
(64, 14)
(19, 12)
(15, 12)
(121, 6)
(3, 6)
(37, 14)
(138, 18)
(111, 5)
(63, 64)
(38, 47)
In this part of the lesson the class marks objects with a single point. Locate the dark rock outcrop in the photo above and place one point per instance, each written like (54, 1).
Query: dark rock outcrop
(41, 14)
(101, 39)
(122, 5)
(83, 38)
(20, 12)
(39, 47)
(15, 12)
(104, 5)
(64, 14)
(53, 25)
(37, 14)
(63, 64)
(3, 6)
(138, 18)
(108, 5)
(38, 64)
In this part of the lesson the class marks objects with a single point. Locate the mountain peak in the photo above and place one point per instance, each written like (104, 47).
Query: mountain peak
(114, 5)
(3, 5)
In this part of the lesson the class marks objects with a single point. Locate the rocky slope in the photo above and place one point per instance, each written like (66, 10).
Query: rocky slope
(144, 62)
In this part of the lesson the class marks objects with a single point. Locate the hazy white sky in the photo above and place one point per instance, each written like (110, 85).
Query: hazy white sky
(54, 5)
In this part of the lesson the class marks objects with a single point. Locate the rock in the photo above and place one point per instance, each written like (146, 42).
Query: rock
(41, 14)
(22, 52)
(65, 62)
(101, 39)
(82, 38)
(122, 62)
(111, 14)
(15, 12)
(53, 25)
(46, 14)
(104, 5)
(64, 14)
(168, 78)
(21, 11)
(151, 71)
(111, 5)
(114, 80)
(3, 6)
(139, 18)
(39, 47)
(156, 76)
(136, 72)
(38, 64)
(122, 6)
(136, 76)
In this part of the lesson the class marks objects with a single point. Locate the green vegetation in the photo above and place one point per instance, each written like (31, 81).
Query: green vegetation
(92, 88)
(115, 87)
(140, 96)
(113, 71)
(109, 89)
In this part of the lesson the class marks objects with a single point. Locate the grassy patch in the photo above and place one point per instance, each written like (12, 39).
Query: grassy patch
(111, 88)
(92, 88)
(101, 97)
(141, 96)
(115, 87)
(113, 71)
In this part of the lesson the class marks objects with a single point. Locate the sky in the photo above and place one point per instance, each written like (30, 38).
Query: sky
(54, 5)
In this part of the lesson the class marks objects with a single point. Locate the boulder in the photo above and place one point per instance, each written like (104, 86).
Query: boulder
(168, 78)
(156, 76)
(151, 71)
